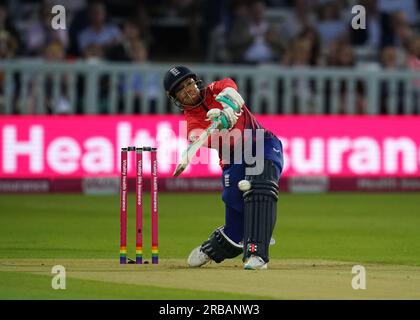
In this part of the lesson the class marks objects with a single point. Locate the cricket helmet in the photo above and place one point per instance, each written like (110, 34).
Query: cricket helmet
(174, 77)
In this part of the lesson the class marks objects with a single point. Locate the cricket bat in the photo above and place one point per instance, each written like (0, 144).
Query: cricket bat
(192, 149)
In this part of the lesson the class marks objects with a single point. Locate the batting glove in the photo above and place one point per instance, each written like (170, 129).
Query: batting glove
(227, 117)
(230, 98)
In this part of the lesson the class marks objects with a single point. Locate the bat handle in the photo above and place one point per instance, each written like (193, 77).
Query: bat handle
(179, 169)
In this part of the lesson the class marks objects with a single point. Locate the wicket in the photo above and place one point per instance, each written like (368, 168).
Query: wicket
(139, 204)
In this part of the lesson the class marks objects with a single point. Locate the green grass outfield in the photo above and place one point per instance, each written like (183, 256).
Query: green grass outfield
(318, 240)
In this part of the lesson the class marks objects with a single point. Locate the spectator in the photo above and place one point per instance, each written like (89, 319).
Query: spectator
(389, 58)
(304, 52)
(123, 50)
(217, 20)
(221, 49)
(403, 30)
(344, 57)
(39, 34)
(142, 20)
(94, 55)
(6, 25)
(299, 53)
(312, 36)
(408, 7)
(413, 64)
(389, 62)
(253, 39)
(99, 32)
(299, 57)
(216, 15)
(397, 30)
(8, 47)
(60, 104)
(299, 19)
(56, 99)
(330, 25)
(139, 83)
(78, 23)
(217, 50)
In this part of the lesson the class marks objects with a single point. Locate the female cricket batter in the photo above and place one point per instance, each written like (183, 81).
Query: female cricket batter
(250, 216)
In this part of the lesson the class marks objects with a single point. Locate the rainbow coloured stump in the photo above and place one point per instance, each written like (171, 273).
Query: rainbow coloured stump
(123, 206)
(154, 206)
(139, 255)
(155, 255)
(123, 255)
(139, 204)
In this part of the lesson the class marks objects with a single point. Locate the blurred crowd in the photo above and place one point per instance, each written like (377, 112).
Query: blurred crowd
(289, 32)
(293, 33)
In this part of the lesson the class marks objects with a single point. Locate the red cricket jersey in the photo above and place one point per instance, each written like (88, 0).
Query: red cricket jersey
(196, 117)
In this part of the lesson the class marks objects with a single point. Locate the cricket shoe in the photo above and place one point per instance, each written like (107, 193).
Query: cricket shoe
(197, 258)
(255, 263)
